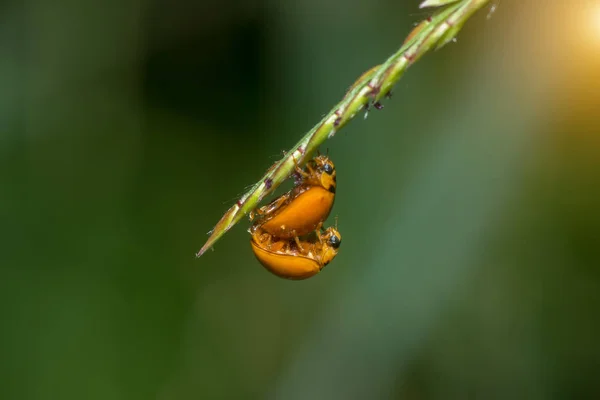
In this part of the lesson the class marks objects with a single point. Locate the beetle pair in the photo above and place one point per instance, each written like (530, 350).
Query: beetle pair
(286, 233)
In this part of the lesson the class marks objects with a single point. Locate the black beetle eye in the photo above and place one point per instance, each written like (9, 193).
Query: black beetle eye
(335, 241)
(328, 168)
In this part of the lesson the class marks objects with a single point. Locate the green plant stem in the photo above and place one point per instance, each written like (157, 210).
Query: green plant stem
(368, 91)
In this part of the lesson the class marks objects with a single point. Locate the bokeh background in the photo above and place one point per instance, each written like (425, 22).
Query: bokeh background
(469, 207)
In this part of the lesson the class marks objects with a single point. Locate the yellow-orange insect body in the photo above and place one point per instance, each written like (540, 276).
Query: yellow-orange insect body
(294, 259)
(303, 209)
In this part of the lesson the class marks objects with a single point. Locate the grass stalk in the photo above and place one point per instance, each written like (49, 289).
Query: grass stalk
(369, 90)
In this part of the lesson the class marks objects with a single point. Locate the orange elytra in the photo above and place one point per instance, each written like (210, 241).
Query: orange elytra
(303, 209)
(295, 259)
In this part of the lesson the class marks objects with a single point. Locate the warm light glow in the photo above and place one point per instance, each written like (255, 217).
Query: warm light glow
(583, 28)
(595, 14)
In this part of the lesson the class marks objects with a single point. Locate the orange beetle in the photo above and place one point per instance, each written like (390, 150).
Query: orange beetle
(295, 259)
(303, 209)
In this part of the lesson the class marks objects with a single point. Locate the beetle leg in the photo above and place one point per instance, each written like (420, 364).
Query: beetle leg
(286, 247)
(311, 170)
(266, 240)
(262, 238)
(319, 227)
(299, 171)
(256, 212)
(321, 255)
(297, 240)
(278, 202)
(319, 233)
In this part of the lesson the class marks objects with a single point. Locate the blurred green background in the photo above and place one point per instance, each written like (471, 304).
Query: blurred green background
(469, 207)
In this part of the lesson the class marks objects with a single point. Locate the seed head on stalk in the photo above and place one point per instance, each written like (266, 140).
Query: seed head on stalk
(369, 89)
